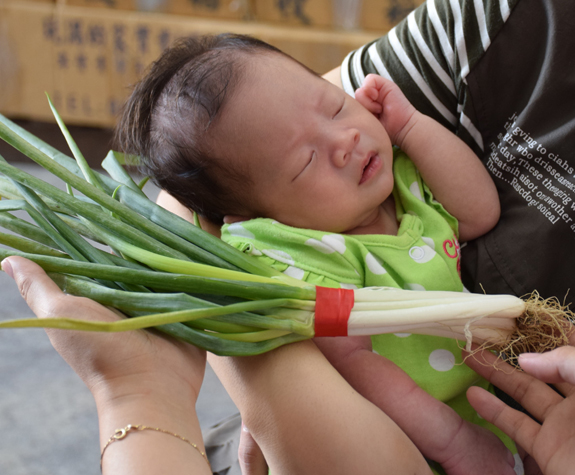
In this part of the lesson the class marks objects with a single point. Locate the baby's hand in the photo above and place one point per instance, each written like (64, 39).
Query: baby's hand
(384, 99)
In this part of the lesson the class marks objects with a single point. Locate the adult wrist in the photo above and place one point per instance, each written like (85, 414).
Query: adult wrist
(172, 445)
(173, 412)
(141, 394)
(163, 411)
(121, 433)
(155, 383)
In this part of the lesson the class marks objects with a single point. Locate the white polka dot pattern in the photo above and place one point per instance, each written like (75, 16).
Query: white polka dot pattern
(414, 188)
(295, 272)
(414, 287)
(416, 253)
(329, 243)
(519, 469)
(422, 254)
(374, 265)
(335, 241)
(280, 256)
(430, 242)
(442, 360)
(348, 286)
(236, 229)
(319, 246)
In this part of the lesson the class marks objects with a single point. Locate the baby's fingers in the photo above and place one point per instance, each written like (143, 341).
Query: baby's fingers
(520, 427)
(365, 96)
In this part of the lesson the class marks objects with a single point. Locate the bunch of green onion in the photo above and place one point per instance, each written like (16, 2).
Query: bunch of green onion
(166, 273)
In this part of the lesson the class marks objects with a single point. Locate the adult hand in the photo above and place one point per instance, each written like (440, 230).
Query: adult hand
(100, 358)
(136, 377)
(252, 460)
(551, 442)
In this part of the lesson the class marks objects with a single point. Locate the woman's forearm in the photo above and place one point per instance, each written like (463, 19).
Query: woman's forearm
(334, 76)
(137, 378)
(150, 452)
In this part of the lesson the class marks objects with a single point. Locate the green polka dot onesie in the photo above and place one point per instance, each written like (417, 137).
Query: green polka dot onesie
(424, 255)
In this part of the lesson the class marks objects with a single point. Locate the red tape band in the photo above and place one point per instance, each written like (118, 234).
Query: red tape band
(332, 311)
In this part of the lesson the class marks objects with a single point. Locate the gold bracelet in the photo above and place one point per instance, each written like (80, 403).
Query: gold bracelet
(122, 433)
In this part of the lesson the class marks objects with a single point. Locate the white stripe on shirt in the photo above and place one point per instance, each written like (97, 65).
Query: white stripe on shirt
(504, 7)
(377, 62)
(428, 55)
(345, 79)
(356, 63)
(459, 38)
(480, 14)
(470, 126)
(441, 34)
(417, 78)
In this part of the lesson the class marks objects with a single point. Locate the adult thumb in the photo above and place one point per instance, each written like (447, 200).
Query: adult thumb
(38, 290)
(252, 461)
(553, 367)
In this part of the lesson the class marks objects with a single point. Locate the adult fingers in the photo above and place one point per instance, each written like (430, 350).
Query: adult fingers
(40, 292)
(520, 427)
(532, 394)
(252, 461)
(46, 299)
(567, 389)
(556, 366)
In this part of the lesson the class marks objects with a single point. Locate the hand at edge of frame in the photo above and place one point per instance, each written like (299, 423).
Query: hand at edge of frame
(551, 441)
(115, 364)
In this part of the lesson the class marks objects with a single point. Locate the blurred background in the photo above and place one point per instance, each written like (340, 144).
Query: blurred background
(87, 54)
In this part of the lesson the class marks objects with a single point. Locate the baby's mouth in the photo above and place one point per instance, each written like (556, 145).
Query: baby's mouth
(369, 168)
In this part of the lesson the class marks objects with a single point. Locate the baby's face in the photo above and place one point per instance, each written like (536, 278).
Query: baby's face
(315, 157)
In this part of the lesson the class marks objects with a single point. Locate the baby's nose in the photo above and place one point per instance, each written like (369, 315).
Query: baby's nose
(348, 141)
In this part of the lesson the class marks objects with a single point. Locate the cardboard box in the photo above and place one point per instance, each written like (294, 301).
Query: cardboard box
(295, 12)
(152, 6)
(379, 15)
(87, 59)
(382, 15)
(224, 9)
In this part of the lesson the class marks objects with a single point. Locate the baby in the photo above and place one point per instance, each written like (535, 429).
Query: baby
(235, 129)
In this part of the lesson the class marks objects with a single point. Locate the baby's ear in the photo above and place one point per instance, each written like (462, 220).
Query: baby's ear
(232, 218)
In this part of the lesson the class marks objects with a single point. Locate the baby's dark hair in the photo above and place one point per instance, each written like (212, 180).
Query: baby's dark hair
(166, 120)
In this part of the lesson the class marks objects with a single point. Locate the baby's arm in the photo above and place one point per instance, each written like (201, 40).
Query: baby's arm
(437, 430)
(455, 175)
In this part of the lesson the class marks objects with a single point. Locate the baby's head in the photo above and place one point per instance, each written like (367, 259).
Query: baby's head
(229, 125)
